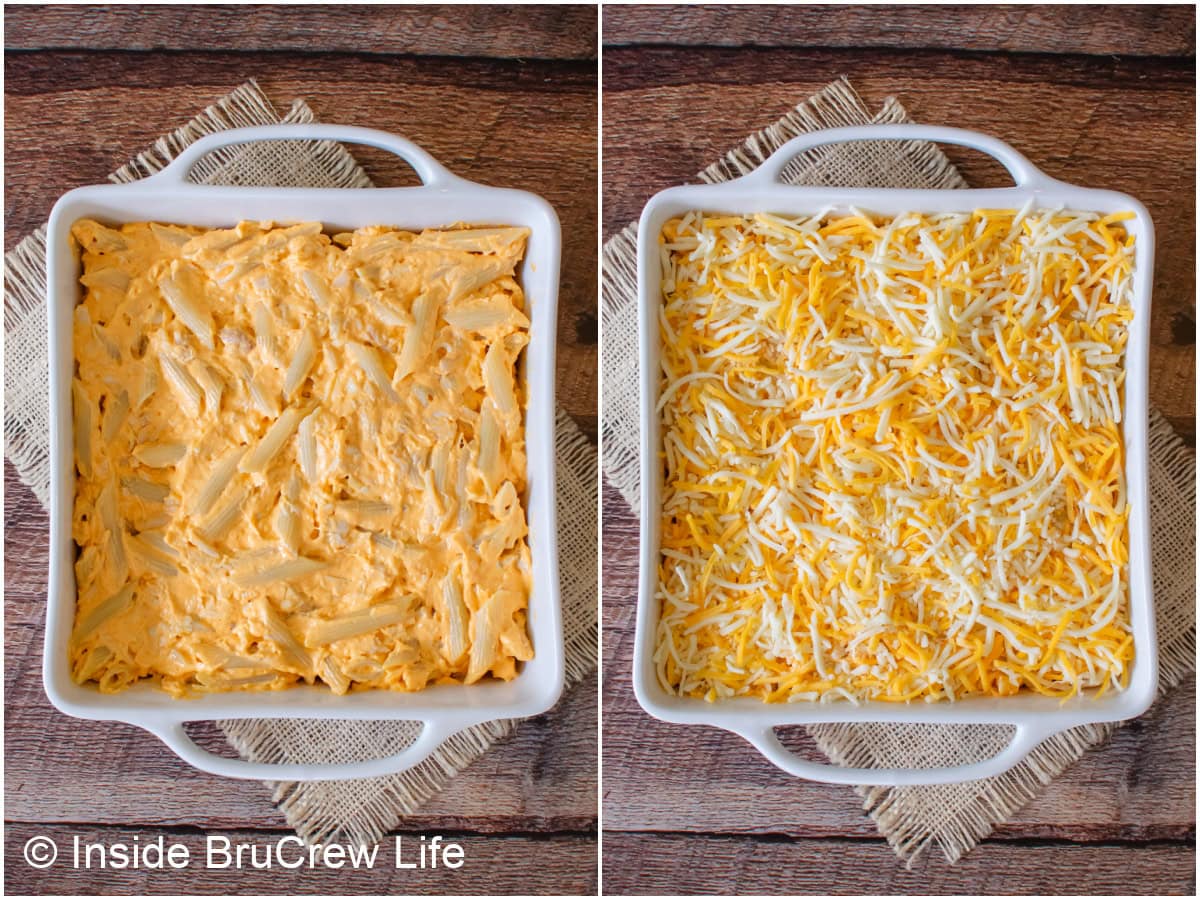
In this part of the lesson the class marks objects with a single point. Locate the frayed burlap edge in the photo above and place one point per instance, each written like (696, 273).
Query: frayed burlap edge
(25, 310)
(243, 107)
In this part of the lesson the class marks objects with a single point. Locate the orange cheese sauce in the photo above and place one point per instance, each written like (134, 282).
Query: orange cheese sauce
(300, 457)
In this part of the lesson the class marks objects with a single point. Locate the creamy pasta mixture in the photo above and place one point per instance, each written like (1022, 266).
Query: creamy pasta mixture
(300, 457)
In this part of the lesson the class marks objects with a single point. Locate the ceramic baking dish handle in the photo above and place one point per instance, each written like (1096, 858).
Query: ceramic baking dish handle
(431, 737)
(431, 172)
(1023, 172)
(1023, 741)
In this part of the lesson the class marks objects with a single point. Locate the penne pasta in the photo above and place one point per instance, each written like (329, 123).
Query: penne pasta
(367, 359)
(488, 460)
(486, 313)
(185, 386)
(484, 639)
(482, 272)
(156, 541)
(383, 540)
(287, 518)
(302, 229)
(439, 463)
(110, 519)
(220, 658)
(272, 441)
(260, 399)
(210, 383)
(160, 456)
(388, 314)
(301, 364)
(231, 271)
(306, 441)
(115, 413)
(110, 608)
(113, 279)
(214, 683)
(187, 308)
(149, 491)
(219, 478)
(456, 616)
(216, 527)
(204, 547)
(92, 662)
(110, 347)
(211, 242)
(81, 407)
(98, 238)
(359, 622)
(332, 675)
(149, 386)
(404, 655)
(284, 571)
(498, 379)
(474, 240)
(317, 288)
(170, 236)
(153, 556)
(265, 335)
(364, 507)
(292, 650)
(381, 245)
(416, 338)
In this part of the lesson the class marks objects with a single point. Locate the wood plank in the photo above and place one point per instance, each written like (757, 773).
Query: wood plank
(558, 864)
(526, 125)
(536, 32)
(540, 779)
(688, 864)
(1140, 786)
(1137, 31)
(669, 112)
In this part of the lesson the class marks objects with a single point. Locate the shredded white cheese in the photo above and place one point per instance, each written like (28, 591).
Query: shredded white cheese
(892, 454)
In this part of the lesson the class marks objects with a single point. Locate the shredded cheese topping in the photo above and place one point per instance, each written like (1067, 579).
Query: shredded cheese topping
(893, 466)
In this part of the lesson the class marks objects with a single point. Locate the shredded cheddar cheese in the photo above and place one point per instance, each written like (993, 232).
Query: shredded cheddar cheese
(892, 454)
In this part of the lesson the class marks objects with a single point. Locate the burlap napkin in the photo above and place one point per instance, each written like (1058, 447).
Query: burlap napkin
(954, 816)
(360, 811)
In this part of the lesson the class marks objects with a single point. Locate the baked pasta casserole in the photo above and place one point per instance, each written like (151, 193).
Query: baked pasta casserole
(300, 457)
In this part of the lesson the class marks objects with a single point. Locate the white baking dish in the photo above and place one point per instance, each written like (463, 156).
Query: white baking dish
(441, 200)
(1034, 717)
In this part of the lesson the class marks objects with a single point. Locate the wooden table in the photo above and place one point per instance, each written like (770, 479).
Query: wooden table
(504, 97)
(1096, 96)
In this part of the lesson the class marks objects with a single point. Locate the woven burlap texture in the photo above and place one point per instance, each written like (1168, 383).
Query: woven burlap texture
(359, 811)
(955, 817)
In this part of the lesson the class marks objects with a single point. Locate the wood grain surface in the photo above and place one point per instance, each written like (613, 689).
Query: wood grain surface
(502, 96)
(547, 32)
(1147, 30)
(743, 866)
(1099, 97)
